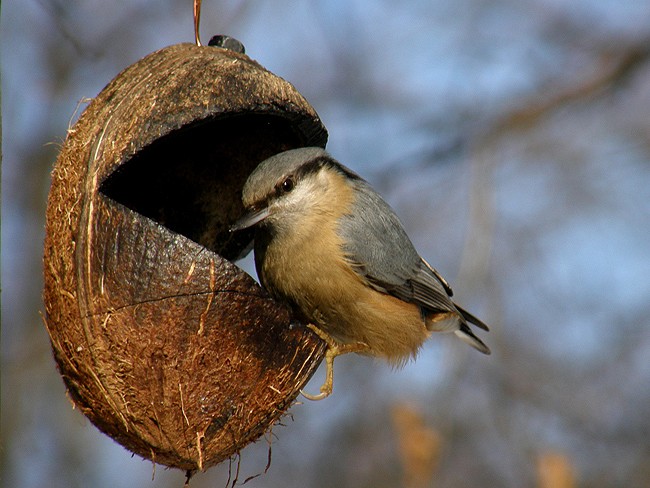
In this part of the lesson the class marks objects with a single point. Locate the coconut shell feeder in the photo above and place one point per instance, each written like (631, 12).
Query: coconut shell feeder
(162, 342)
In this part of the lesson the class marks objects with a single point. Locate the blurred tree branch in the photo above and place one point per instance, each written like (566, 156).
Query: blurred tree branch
(615, 68)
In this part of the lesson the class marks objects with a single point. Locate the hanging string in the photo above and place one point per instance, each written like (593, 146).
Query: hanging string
(197, 21)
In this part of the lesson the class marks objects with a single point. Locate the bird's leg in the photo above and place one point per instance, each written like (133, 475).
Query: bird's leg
(333, 349)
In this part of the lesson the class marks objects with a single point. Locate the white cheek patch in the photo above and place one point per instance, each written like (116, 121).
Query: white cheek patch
(301, 194)
(307, 192)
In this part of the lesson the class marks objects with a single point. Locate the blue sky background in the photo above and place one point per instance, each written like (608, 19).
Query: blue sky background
(543, 228)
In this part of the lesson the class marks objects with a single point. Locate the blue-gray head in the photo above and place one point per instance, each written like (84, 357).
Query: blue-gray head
(288, 184)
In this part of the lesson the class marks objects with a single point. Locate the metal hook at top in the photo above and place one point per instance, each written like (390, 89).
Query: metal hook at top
(197, 21)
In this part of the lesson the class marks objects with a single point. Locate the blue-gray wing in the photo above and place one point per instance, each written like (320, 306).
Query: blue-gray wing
(378, 248)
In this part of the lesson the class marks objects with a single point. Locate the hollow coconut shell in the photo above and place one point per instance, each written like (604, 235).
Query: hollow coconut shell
(162, 342)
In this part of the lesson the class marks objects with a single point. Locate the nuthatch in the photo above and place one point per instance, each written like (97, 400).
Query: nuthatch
(331, 248)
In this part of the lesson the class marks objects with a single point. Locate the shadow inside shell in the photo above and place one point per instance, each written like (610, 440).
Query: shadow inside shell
(190, 181)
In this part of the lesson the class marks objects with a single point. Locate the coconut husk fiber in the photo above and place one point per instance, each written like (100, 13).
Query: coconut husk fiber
(162, 342)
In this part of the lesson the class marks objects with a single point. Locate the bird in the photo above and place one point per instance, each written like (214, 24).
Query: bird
(329, 246)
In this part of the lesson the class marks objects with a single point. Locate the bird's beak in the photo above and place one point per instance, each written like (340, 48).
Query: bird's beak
(250, 219)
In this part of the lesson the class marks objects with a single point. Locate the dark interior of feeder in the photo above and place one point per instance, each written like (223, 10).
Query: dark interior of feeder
(191, 180)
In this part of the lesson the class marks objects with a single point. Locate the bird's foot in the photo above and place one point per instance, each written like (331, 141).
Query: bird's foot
(334, 349)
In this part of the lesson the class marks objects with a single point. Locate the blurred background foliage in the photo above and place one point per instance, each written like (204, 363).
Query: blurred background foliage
(513, 139)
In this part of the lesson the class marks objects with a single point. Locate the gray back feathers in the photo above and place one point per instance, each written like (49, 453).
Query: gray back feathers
(380, 250)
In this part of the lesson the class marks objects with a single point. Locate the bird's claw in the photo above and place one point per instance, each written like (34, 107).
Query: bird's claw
(315, 398)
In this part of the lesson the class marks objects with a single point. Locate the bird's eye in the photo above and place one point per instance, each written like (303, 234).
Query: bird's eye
(287, 185)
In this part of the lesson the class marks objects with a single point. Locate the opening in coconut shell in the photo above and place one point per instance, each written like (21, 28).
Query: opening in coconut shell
(162, 342)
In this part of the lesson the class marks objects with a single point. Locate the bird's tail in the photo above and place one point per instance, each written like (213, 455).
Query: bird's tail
(466, 334)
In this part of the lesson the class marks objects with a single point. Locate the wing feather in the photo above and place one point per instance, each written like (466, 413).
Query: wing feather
(381, 252)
